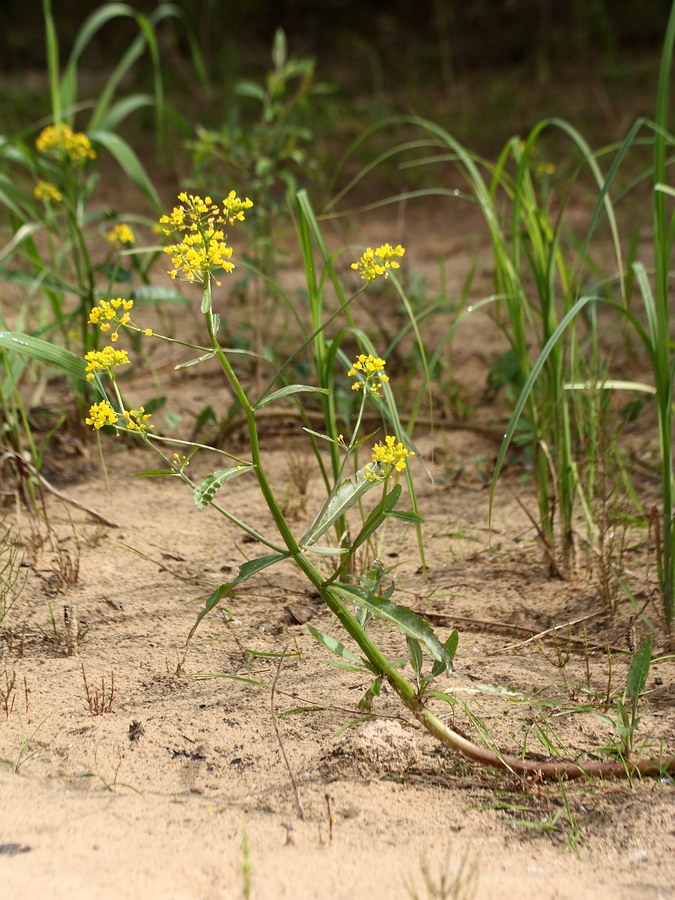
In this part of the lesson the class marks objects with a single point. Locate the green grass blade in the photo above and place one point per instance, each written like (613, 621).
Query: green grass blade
(43, 351)
(527, 389)
(121, 110)
(21, 235)
(129, 163)
(133, 53)
(287, 391)
(52, 43)
(91, 25)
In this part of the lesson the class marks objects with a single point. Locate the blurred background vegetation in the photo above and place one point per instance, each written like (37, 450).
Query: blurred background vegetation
(485, 68)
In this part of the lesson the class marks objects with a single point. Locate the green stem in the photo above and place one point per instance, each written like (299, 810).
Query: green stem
(239, 392)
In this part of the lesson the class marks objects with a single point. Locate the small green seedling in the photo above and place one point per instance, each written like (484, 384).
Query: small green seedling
(626, 717)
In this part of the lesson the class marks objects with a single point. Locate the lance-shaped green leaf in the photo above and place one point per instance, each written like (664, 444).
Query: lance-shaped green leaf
(195, 361)
(29, 280)
(334, 646)
(207, 488)
(370, 582)
(327, 437)
(346, 495)
(416, 656)
(374, 520)
(339, 664)
(450, 648)
(20, 235)
(371, 579)
(120, 110)
(286, 391)
(43, 351)
(404, 515)
(319, 434)
(245, 571)
(639, 669)
(408, 623)
(441, 695)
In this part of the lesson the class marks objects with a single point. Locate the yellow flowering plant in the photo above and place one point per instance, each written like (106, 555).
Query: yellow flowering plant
(374, 263)
(325, 562)
(66, 249)
(77, 252)
(353, 602)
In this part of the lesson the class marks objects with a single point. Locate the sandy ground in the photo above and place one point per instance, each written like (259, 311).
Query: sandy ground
(167, 807)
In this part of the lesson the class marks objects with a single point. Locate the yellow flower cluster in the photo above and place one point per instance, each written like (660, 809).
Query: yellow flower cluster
(105, 361)
(179, 462)
(202, 249)
(121, 234)
(389, 455)
(136, 419)
(115, 312)
(61, 141)
(369, 373)
(544, 168)
(233, 207)
(101, 414)
(48, 192)
(376, 262)
(197, 255)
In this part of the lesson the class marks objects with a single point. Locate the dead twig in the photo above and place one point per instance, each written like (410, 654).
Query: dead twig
(27, 465)
(71, 629)
(99, 703)
(441, 619)
(541, 634)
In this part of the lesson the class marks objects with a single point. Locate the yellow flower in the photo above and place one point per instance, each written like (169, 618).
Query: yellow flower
(233, 207)
(369, 374)
(198, 254)
(116, 312)
(62, 142)
(48, 192)
(105, 361)
(389, 456)
(121, 234)
(179, 462)
(376, 262)
(101, 414)
(136, 419)
(544, 168)
(202, 248)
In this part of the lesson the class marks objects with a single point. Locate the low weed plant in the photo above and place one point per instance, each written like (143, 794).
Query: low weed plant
(324, 553)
